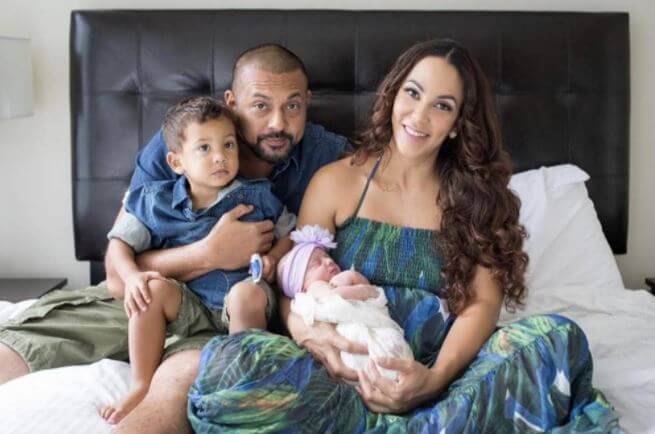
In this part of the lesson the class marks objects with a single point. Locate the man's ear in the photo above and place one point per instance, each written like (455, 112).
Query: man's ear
(309, 95)
(230, 99)
(173, 159)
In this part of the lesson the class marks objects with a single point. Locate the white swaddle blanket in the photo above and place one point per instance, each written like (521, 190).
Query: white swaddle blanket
(367, 322)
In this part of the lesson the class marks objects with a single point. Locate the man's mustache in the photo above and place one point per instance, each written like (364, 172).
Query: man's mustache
(276, 135)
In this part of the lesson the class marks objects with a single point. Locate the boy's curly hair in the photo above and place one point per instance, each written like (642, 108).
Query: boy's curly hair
(198, 109)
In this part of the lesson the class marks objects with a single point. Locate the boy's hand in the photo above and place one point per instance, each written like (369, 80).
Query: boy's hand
(137, 293)
(270, 264)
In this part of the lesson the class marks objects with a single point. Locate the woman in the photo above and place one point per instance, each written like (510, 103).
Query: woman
(423, 210)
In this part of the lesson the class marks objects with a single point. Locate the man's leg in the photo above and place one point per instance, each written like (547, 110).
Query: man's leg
(163, 410)
(63, 328)
(12, 364)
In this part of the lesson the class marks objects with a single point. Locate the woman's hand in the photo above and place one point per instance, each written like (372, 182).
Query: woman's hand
(325, 344)
(414, 385)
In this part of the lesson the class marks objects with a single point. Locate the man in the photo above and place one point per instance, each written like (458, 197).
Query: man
(270, 94)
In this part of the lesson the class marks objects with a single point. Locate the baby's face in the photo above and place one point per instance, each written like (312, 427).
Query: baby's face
(320, 267)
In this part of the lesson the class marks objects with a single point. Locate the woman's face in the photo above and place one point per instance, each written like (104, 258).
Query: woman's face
(426, 107)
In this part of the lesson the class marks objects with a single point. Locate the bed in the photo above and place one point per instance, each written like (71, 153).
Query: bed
(561, 82)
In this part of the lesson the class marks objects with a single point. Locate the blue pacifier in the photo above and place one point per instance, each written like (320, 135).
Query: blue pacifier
(256, 269)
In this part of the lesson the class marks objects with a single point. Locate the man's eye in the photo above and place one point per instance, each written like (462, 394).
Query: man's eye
(260, 106)
(293, 106)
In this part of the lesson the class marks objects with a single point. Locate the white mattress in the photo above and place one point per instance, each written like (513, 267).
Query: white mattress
(620, 325)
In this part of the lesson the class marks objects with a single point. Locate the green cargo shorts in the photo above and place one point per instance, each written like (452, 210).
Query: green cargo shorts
(83, 326)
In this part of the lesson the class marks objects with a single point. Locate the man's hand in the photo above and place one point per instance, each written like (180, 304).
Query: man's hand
(137, 293)
(231, 242)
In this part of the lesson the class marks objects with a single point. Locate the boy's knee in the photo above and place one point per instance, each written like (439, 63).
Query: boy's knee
(246, 296)
(162, 289)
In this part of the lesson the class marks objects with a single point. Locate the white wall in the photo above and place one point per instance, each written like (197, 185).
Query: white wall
(36, 232)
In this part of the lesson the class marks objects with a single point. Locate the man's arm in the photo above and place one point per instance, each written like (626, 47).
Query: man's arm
(228, 246)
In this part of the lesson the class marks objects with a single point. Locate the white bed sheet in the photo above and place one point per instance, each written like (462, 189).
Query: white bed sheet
(620, 325)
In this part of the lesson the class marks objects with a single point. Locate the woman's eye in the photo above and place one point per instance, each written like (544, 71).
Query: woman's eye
(411, 92)
(204, 148)
(443, 106)
(230, 145)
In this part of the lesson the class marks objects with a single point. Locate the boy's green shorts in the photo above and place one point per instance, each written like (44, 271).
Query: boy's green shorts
(83, 326)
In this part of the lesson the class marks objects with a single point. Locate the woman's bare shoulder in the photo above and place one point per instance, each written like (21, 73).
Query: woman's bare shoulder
(336, 170)
(341, 174)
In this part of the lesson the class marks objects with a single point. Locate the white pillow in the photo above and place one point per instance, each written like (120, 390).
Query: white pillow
(566, 244)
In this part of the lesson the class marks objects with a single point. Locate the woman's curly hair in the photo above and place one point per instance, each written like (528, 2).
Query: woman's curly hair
(479, 224)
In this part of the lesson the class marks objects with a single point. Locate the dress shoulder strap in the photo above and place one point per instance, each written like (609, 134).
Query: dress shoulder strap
(368, 182)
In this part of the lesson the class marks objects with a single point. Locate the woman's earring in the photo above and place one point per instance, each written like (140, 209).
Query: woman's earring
(452, 134)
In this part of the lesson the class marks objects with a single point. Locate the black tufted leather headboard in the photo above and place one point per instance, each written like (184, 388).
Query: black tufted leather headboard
(561, 82)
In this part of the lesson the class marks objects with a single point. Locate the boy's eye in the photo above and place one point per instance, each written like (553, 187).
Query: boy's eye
(230, 145)
(204, 147)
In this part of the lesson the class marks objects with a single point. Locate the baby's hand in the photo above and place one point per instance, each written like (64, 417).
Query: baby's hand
(357, 292)
(348, 277)
(270, 264)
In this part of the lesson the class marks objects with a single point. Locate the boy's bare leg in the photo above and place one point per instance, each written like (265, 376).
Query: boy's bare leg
(163, 410)
(12, 365)
(246, 307)
(147, 331)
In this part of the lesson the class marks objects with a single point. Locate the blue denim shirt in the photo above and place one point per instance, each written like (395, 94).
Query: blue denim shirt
(165, 208)
(290, 178)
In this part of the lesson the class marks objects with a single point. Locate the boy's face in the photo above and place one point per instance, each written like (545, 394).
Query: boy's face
(209, 157)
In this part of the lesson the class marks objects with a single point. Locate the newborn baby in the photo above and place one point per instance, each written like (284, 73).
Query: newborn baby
(322, 292)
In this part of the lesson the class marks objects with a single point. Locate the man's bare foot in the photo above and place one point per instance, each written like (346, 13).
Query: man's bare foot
(115, 412)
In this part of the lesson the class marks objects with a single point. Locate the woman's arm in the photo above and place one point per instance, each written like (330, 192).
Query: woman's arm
(322, 198)
(323, 341)
(417, 383)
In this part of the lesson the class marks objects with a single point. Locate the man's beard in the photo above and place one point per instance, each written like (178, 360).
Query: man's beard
(270, 157)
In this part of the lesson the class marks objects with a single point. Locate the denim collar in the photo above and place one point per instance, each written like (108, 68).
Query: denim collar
(181, 193)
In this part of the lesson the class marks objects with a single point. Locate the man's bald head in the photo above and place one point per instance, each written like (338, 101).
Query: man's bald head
(272, 58)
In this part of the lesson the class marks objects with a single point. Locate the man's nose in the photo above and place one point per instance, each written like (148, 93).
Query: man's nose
(277, 121)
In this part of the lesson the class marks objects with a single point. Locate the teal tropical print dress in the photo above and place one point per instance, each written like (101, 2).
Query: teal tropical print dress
(531, 376)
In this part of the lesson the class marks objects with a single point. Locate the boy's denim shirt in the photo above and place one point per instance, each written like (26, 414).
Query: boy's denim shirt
(165, 208)
(290, 178)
